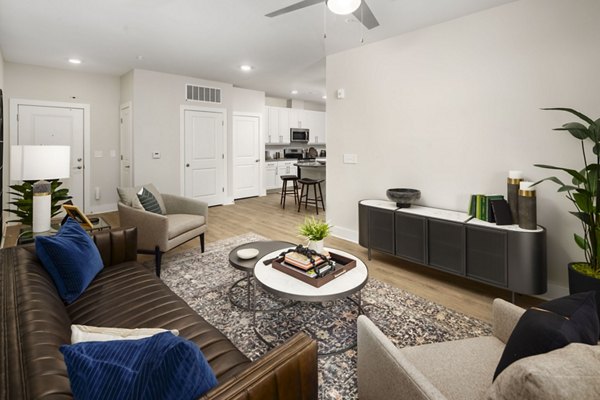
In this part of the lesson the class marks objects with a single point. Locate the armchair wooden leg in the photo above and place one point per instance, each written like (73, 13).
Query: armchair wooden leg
(157, 259)
(202, 242)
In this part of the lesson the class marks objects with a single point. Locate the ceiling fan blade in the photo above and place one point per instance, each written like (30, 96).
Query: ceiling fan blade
(294, 7)
(365, 16)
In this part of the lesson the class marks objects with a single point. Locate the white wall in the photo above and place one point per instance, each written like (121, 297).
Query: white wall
(156, 126)
(101, 92)
(246, 100)
(451, 108)
(126, 86)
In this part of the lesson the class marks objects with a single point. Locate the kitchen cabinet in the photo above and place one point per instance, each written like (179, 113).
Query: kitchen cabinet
(271, 175)
(315, 121)
(298, 118)
(287, 168)
(278, 126)
(503, 256)
(281, 119)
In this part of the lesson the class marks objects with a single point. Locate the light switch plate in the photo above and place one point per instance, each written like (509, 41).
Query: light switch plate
(156, 154)
(350, 159)
(113, 153)
(98, 153)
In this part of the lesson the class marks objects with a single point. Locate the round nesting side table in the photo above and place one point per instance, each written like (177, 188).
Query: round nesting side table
(247, 266)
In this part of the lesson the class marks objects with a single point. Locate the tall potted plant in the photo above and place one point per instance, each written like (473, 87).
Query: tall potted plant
(584, 193)
(22, 200)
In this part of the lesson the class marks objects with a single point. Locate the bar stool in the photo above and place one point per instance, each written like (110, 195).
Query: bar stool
(307, 183)
(292, 190)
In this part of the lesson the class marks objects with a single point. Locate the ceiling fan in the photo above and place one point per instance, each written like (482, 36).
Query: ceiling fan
(358, 8)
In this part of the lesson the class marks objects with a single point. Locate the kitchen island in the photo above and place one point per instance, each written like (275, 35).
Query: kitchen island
(313, 170)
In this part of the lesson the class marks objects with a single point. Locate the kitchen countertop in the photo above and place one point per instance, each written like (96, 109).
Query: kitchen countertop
(310, 165)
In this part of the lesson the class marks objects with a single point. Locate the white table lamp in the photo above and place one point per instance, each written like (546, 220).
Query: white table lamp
(38, 163)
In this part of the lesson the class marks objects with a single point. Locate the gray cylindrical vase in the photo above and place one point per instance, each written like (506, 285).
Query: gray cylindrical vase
(527, 210)
(512, 194)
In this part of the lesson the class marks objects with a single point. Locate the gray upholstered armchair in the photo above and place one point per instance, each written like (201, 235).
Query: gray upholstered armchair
(181, 219)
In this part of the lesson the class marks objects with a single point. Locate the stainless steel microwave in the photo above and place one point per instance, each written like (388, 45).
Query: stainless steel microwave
(298, 135)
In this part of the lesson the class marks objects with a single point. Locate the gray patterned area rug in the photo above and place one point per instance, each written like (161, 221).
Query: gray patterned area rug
(204, 281)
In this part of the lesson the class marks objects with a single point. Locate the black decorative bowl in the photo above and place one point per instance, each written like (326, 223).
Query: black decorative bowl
(403, 197)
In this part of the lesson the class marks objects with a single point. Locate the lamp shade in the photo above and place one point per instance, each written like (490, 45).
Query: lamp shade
(34, 163)
(343, 7)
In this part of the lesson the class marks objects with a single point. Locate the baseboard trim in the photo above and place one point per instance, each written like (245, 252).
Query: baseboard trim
(344, 233)
(102, 208)
(554, 291)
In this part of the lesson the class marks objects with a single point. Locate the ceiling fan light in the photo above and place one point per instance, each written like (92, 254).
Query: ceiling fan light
(343, 7)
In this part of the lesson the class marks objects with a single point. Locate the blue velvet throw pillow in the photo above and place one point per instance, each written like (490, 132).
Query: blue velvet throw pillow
(161, 367)
(552, 325)
(71, 258)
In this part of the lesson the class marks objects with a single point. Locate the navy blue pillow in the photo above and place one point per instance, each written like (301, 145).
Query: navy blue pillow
(71, 258)
(552, 325)
(161, 367)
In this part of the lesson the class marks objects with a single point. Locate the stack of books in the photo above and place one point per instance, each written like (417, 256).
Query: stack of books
(481, 208)
(301, 261)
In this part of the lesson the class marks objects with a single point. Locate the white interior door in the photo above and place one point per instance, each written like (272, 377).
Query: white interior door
(246, 156)
(63, 126)
(126, 147)
(203, 156)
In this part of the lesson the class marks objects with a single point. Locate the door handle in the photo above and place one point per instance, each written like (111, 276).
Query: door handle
(79, 167)
(127, 166)
(256, 160)
(79, 159)
(187, 165)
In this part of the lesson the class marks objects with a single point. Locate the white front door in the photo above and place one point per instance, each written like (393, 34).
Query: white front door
(246, 156)
(203, 156)
(63, 126)
(126, 147)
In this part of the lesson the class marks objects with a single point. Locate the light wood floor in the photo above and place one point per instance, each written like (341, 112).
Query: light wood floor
(264, 216)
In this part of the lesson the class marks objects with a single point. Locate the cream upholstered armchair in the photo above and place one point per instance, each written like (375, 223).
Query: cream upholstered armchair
(175, 221)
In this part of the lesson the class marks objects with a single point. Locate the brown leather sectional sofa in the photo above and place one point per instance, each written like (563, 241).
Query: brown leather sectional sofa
(35, 322)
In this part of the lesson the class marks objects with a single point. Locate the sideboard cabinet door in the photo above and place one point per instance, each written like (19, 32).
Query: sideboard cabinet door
(487, 255)
(446, 243)
(410, 237)
(381, 230)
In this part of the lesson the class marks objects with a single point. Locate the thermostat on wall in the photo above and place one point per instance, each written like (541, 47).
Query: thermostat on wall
(156, 154)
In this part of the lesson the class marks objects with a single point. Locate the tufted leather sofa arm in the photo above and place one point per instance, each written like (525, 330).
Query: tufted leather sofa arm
(288, 372)
(116, 246)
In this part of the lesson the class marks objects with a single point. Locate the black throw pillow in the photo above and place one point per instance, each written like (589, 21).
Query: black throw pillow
(552, 325)
(148, 201)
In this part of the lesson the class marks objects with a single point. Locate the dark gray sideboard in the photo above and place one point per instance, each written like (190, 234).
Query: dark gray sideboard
(504, 256)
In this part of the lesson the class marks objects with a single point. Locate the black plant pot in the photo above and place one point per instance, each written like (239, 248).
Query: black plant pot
(579, 282)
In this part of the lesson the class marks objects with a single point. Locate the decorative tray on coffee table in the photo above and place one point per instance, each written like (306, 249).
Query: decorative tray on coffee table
(342, 265)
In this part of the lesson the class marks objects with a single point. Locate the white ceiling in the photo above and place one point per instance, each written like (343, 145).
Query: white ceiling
(208, 39)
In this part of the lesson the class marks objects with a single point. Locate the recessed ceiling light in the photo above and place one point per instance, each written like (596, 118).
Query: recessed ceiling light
(140, 57)
(246, 68)
(74, 61)
(324, 97)
(294, 91)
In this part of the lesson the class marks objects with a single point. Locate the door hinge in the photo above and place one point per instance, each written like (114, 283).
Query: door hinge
(121, 120)
(223, 190)
(222, 156)
(17, 117)
(222, 123)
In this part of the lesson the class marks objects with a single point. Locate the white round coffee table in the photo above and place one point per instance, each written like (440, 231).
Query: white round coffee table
(286, 286)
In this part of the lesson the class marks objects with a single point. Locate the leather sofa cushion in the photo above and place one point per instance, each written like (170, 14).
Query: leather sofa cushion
(130, 296)
(181, 223)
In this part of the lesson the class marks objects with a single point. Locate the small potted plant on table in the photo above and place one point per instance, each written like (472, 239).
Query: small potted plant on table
(315, 231)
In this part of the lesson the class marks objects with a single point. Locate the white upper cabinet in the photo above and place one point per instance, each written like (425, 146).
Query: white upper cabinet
(278, 125)
(281, 119)
(316, 123)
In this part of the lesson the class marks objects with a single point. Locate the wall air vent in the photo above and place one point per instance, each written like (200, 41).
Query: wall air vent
(200, 93)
